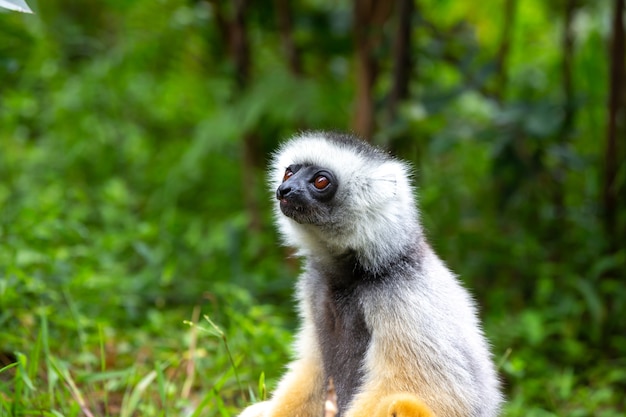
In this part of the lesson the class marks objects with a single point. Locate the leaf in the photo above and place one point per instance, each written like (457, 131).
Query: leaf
(17, 5)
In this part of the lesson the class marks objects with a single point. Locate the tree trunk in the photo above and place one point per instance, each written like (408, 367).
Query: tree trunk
(566, 66)
(234, 31)
(240, 45)
(285, 26)
(369, 16)
(510, 7)
(569, 113)
(402, 62)
(363, 122)
(616, 124)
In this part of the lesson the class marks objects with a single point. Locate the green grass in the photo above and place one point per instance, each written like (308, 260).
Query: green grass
(188, 370)
(197, 369)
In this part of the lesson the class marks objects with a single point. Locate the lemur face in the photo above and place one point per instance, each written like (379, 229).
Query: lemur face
(306, 193)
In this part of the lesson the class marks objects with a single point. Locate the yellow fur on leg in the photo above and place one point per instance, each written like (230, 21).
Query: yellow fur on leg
(393, 405)
(403, 405)
(300, 393)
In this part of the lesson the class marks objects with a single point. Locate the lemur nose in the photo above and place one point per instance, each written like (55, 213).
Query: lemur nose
(283, 191)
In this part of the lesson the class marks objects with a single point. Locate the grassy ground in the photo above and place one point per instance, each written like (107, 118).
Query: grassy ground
(191, 370)
(99, 284)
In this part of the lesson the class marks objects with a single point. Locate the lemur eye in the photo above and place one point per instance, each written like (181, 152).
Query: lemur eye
(320, 182)
(288, 174)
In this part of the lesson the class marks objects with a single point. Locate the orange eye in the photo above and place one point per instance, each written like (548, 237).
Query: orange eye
(288, 174)
(321, 182)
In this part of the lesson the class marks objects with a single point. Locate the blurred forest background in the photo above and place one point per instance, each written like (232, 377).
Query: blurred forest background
(133, 141)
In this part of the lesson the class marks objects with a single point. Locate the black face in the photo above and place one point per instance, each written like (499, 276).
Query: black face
(306, 193)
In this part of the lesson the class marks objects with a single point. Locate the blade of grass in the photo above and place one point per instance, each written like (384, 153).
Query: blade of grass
(21, 379)
(103, 361)
(221, 407)
(209, 396)
(65, 375)
(103, 365)
(5, 404)
(213, 392)
(191, 362)
(222, 336)
(262, 388)
(162, 385)
(82, 337)
(128, 407)
(9, 366)
(108, 375)
(22, 361)
(50, 375)
(35, 355)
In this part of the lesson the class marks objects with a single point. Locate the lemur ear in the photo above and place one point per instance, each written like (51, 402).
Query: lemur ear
(386, 179)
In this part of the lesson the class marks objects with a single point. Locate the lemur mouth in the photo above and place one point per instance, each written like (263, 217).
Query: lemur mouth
(294, 211)
(287, 206)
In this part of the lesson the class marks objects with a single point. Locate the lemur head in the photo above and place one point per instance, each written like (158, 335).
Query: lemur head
(336, 194)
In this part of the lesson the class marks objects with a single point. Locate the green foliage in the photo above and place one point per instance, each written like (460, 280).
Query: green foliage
(125, 206)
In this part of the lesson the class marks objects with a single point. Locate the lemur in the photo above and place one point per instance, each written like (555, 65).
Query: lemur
(382, 316)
